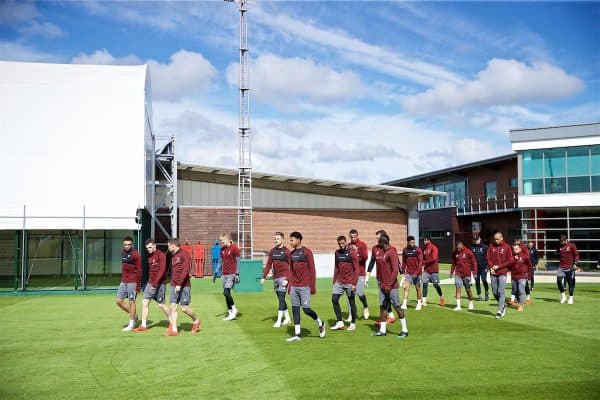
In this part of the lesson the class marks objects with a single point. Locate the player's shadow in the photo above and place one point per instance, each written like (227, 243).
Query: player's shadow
(271, 318)
(303, 331)
(482, 312)
(159, 324)
(547, 299)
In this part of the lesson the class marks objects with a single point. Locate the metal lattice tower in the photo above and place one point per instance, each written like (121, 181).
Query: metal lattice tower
(244, 222)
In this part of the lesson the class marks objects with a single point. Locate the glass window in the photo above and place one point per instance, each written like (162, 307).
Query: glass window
(595, 161)
(554, 163)
(533, 186)
(513, 182)
(490, 190)
(596, 183)
(579, 184)
(578, 161)
(532, 164)
(556, 185)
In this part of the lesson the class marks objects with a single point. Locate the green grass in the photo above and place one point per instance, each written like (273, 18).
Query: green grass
(72, 347)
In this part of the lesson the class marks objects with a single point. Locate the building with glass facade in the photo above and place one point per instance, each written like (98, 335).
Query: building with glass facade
(559, 188)
(481, 197)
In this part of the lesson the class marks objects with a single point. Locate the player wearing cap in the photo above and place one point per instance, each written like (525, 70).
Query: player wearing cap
(464, 266)
(278, 264)
(412, 264)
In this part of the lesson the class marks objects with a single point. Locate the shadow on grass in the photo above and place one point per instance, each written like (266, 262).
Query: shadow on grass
(482, 312)
(547, 299)
(271, 318)
(303, 331)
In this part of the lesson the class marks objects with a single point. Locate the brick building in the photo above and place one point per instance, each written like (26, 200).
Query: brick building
(482, 197)
(321, 210)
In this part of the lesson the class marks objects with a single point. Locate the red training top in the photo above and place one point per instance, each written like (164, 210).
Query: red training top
(229, 255)
(131, 266)
(568, 255)
(181, 264)
(412, 260)
(157, 268)
(521, 267)
(388, 267)
(279, 260)
(302, 269)
(363, 255)
(500, 255)
(346, 268)
(431, 258)
(464, 263)
(524, 250)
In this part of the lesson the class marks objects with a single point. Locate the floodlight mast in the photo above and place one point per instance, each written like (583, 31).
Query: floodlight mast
(244, 213)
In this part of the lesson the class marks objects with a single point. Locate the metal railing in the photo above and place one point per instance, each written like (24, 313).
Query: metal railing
(482, 204)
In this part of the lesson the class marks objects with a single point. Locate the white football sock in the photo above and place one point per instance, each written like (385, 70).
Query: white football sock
(279, 316)
(297, 330)
(383, 328)
(131, 323)
(403, 323)
(144, 323)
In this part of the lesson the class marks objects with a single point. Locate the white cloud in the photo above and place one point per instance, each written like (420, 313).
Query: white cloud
(502, 82)
(188, 73)
(42, 29)
(14, 51)
(103, 57)
(282, 81)
(333, 152)
(357, 51)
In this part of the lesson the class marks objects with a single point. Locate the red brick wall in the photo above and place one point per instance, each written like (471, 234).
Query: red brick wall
(206, 225)
(477, 177)
(320, 228)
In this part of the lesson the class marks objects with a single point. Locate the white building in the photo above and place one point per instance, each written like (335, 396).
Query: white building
(559, 187)
(76, 165)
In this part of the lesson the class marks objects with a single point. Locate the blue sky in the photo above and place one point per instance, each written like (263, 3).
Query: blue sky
(354, 91)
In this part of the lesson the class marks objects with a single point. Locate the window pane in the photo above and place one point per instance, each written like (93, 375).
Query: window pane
(490, 190)
(556, 185)
(533, 186)
(578, 161)
(596, 183)
(532, 164)
(596, 160)
(554, 163)
(513, 183)
(579, 184)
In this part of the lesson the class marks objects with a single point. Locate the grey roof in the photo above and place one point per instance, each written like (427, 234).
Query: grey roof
(452, 170)
(385, 189)
(555, 132)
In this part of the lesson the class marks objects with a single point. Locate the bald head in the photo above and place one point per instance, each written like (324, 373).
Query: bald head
(498, 237)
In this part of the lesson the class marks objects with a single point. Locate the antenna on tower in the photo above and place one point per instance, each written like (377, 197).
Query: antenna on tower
(244, 214)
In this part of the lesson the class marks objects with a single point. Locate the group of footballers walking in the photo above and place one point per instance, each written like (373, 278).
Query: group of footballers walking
(293, 272)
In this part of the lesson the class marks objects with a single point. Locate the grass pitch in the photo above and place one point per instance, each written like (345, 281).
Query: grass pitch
(72, 347)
